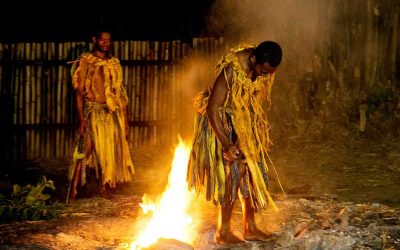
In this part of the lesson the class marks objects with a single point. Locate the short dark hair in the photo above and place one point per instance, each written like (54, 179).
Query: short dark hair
(101, 29)
(268, 52)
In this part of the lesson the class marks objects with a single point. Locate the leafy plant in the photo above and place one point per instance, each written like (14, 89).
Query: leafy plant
(29, 203)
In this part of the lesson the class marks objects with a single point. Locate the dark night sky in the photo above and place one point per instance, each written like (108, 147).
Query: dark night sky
(74, 20)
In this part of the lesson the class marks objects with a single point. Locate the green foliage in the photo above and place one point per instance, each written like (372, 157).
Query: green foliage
(29, 203)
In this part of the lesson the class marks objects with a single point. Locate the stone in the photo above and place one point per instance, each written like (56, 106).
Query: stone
(285, 239)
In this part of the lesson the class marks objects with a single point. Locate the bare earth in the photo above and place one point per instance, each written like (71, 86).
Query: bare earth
(340, 196)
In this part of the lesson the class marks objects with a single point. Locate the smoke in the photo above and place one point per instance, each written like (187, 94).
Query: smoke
(297, 25)
(302, 28)
(196, 74)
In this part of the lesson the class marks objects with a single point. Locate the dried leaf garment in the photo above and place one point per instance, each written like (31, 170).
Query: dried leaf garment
(245, 122)
(104, 117)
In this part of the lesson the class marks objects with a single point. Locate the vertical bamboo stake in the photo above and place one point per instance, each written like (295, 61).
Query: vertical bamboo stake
(126, 48)
(44, 51)
(64, 105)
(21, 96)
(33, 110)
(27, 101)
(20, 51)
(31, 103)
(33, 85)
(115, 49)
(134, 50)
(140, 81)
(38, 107)
(142, 100)
(137, 102)
(130, 50)
(58, 100)
(163, 90)
(13, 48)
(48, 107)
(17, 90)
(155, 104)
(121, 53)
(148, 91)
(164, 100)
(132, 100)
(148, 101)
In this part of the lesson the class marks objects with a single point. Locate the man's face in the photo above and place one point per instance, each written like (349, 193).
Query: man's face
(102, 42)
(264, 69)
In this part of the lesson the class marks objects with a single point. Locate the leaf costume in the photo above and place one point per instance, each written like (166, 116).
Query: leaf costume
(106, 125)
(246, 123)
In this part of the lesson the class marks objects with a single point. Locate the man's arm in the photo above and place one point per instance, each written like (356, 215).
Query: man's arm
(125, 114)
(79, 104)
(217, 100)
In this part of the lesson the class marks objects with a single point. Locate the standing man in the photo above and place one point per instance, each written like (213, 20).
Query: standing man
(101, 103)
(231, 140)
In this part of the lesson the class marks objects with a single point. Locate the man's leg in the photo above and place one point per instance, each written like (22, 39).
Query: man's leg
(223, 234)
(75, 181)
(88, 148)
(104, 192)
(251, 232)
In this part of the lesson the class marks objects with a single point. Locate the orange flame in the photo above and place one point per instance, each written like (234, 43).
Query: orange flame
(169, 214)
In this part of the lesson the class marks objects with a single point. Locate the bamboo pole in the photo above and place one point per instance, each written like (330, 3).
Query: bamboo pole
(121, 54)
(16, 95)
(33, 82)
(33, 110)
(44, 52)
(133, 102)
(134, 50)
(30, 103)
(126, 50)
(27, 105)
(161, 108)
(142, 100)
(21, 96)
(58, 100)
(165, 92)
(137, 102)
(64, 109)
(115, 49)
(39, 105)
(48, 106)
(61, 142)
(155, 103)
(12, 51)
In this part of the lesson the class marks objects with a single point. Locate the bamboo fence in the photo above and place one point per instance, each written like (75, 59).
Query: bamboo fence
(36, 77)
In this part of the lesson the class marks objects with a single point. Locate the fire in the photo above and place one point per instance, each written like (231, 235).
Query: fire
(169, 213)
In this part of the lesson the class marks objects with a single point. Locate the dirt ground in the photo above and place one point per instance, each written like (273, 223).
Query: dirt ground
(324, 182)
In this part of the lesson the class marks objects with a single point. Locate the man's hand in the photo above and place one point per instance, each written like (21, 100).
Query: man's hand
(82, 127)
(232, 153)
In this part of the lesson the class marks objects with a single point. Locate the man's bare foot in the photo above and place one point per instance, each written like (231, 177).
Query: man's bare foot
(256, 235)
(72, 196)
(227, 238)
(104, 193)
